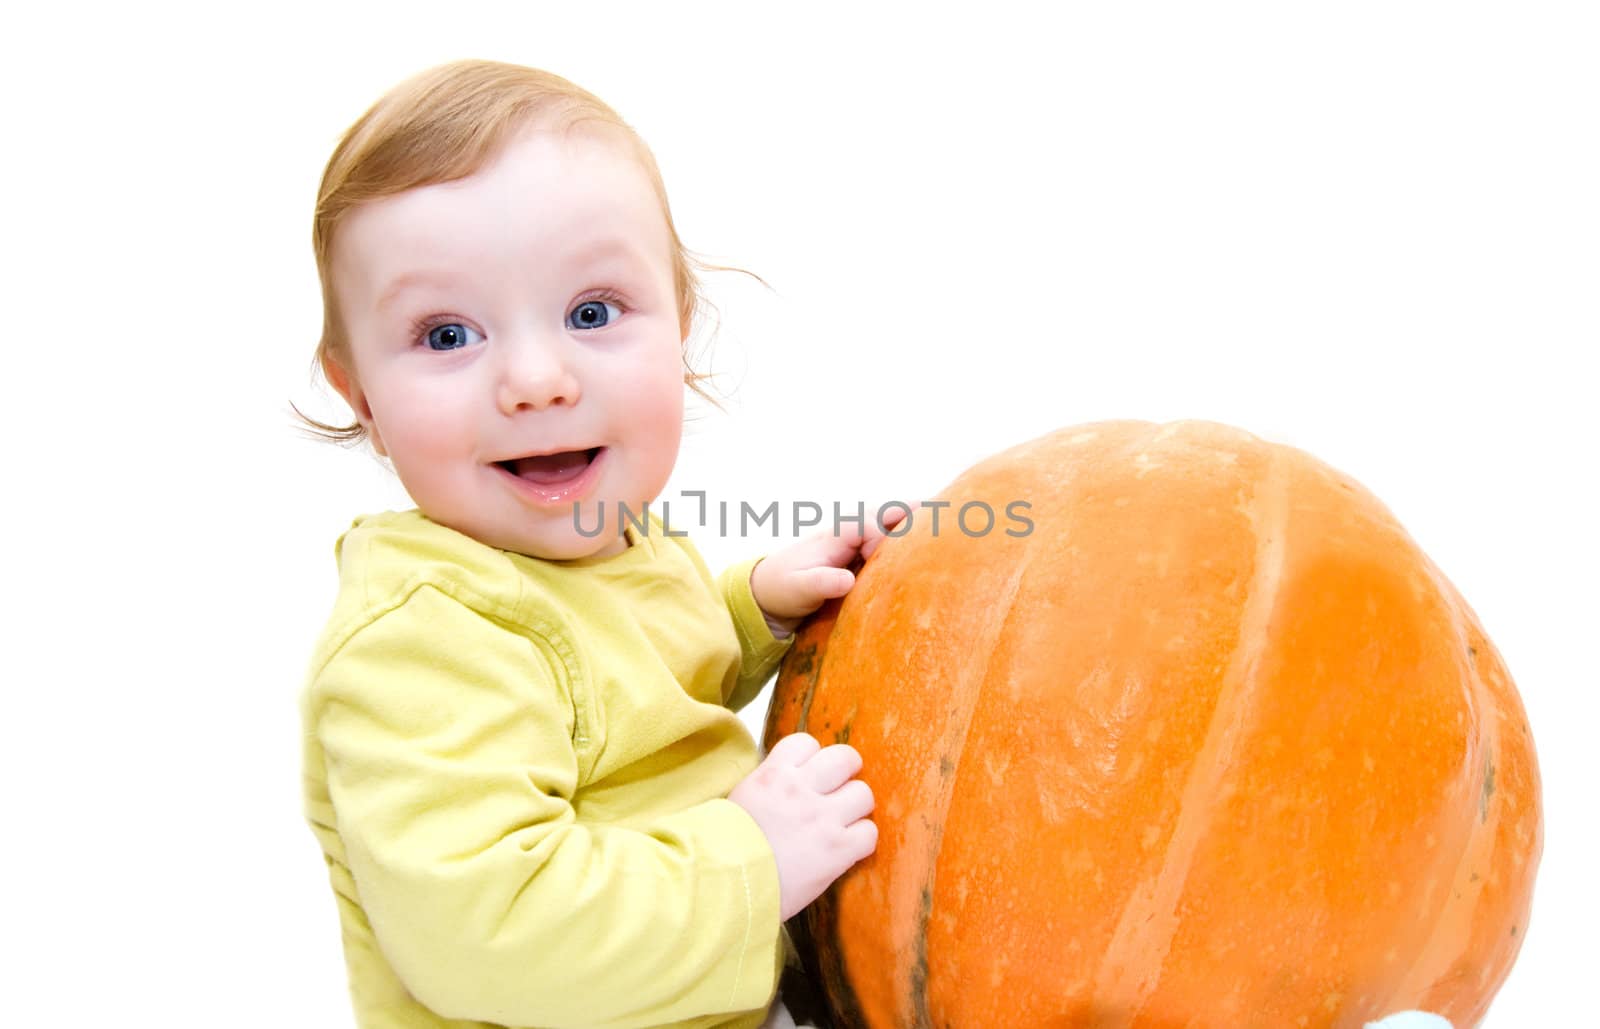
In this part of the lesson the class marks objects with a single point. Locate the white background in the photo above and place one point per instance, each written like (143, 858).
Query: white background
(1366, 230)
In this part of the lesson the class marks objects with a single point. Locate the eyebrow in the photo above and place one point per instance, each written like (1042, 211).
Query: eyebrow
(607, 247)
(405, 282)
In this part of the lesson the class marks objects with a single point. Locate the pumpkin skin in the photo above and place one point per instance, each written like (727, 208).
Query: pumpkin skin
(1215, 744)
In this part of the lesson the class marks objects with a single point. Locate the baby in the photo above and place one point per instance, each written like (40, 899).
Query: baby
(522, 762)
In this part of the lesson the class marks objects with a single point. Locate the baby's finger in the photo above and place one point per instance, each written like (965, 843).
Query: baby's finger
(853, 800)
(829, 548)
(794, 749)
(891, 516)
(827, 583)
(853, 530)
(877, 533)
(862, 838)
(832, 767)
(894, 513)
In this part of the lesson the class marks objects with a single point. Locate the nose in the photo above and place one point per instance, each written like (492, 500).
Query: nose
(536, 372)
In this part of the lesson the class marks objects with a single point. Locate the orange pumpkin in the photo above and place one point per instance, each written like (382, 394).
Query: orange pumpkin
(1213, 744)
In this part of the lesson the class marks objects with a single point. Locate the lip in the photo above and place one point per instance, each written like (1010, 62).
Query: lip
(547, 495)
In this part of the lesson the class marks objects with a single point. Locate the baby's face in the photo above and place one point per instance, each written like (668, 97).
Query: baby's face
(525, 310)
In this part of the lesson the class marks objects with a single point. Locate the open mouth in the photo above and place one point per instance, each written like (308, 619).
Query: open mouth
(552, 469)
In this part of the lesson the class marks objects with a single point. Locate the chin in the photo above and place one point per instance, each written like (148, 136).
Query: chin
(566, 548)
(555, 543)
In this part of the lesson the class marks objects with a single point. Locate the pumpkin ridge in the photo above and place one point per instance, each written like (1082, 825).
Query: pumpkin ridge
(947, 770)
(1442, 946)
(1131, 969)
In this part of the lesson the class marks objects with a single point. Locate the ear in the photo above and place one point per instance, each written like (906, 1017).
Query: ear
(350, 389)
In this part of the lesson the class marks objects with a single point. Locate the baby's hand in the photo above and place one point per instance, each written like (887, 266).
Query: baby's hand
(814, 813)
(793, 582)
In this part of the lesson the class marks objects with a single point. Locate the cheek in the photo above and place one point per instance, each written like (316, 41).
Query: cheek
(652, 378)
(654, 389)
(665, 392)
(421, 426)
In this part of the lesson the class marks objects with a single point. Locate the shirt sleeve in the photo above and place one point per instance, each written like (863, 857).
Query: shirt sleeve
(759, 650)
(452, 771)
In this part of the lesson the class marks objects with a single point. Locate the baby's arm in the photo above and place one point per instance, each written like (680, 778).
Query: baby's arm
(804, 796)
(760, 646)
(452, 768)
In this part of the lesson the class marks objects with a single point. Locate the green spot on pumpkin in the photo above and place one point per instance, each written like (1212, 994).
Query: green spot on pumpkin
(818, 944)
(1488, 789)
(804, 658)
(919, 963)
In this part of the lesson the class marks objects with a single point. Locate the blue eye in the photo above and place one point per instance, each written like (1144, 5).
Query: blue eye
(447, 336)
(592, 314)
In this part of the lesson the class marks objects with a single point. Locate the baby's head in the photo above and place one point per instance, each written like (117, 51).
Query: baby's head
(506, 305)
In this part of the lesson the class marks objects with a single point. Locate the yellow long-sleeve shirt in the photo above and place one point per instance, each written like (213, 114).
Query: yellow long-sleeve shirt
(518, 769)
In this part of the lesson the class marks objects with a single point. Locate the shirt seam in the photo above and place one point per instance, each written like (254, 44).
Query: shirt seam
(744, 948)
(490, 611)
